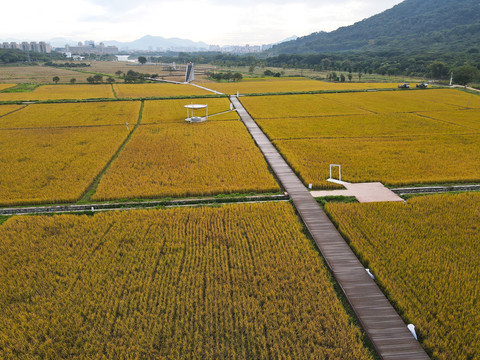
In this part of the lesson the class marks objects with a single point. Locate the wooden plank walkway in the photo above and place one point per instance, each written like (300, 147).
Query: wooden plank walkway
(384, 327)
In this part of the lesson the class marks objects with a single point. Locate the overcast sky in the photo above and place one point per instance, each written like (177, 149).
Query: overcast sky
(212, 21)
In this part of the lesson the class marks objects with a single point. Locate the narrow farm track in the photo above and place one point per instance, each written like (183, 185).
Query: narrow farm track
(384, 327)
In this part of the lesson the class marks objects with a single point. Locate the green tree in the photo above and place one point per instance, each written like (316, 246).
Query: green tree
(350, 76)
(268, 72)
(110, 80)
(237, 76)
(90, 79)
(360, 75)
(97, 78)
(142, 59)
(465, 74)
(251, 69)
(118, 73)
(437, 70)
(342, 78)
(73, 81)
(56, 79)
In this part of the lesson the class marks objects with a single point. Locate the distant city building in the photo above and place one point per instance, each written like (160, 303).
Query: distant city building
(237, 49)
(41, 47)
(89, 47)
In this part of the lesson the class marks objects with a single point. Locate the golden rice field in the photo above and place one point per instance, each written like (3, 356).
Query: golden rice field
(232, 282)
(51, 165)
(286, 106)
(73, 114)
(392, 161)
(426, 254)
(168, 111)
(58, 92)
(157, 90)
(465, 118)
(6, 109)
(351, 126)
(255, 86)
(408, 101)
(175, 160)
(6, 86)
(397, 146)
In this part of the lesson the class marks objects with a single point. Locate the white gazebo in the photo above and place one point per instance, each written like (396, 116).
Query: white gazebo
(195, 119)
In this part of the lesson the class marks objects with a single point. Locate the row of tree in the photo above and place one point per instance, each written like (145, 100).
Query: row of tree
(435, 65)
(95, 79)
(228, 76)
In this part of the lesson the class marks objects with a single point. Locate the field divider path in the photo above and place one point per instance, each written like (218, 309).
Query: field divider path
(386, 330)
(130, 205)
(93, 186)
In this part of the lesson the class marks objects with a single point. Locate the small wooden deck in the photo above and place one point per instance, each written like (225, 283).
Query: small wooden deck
(384, 327)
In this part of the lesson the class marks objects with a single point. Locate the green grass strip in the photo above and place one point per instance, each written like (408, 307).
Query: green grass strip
(93, 186)
(21, 88)
(114, 92)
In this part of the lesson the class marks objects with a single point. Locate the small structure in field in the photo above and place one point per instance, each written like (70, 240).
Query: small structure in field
(190, 73)
(191, 118)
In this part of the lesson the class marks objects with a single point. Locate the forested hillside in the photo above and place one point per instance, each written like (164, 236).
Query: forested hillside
(411, 26)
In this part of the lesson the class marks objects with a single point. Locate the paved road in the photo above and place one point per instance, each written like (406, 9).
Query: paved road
(384, 327)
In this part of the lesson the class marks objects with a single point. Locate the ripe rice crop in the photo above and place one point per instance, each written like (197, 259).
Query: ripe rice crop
(466, 118)
(6, 109)
(232, 282)
(74, 114)
(414, 139)
(452, 97)
(426, 254)
(392, 161)
(58, 92)
(6, 86)
(157, 90)
(367, 125)
(187, 160)
(286, 106)
(53, 165)
(168, 111)
(398, 101)
(256, 86)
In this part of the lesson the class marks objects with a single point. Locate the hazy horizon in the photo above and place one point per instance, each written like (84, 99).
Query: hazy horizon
(210, 21)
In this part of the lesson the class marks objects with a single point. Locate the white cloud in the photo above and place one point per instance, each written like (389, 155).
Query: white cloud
(212, 21)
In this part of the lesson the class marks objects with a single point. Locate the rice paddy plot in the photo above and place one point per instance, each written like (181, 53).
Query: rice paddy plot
(397, 101)
(40, 74)
(290, 106)
(178, 160)
(169, 111)
(6, 86)
(61, 92)
(368, 125)
(157, 90)
(232, 282)
(6, 109)
(54, 165)
(73, 114)
(425, 253)
(452, 97)
(468, 119)
(272, 85)
(392, 161)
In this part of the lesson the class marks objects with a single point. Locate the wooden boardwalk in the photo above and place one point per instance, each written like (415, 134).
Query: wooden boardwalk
(384, 327)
